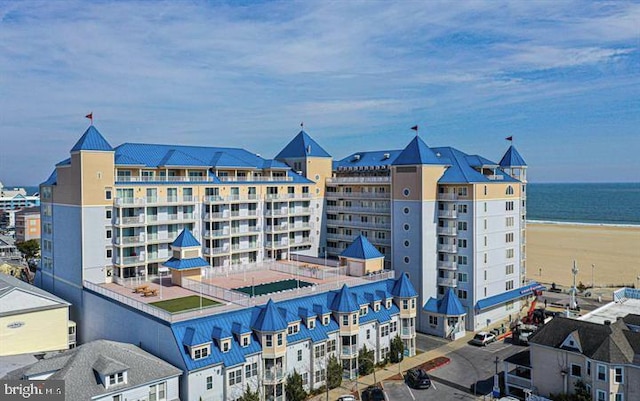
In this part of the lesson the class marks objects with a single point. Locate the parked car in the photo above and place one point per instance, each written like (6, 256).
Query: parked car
(346, 397)
(373, 393)
(418, 378)
(483, 338)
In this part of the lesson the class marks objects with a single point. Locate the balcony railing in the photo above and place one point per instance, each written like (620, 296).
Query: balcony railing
(277, 244)
(349, 350)
(276, 212)
(130, 260)
(273, 374)
(286, 196)
(447, 196)
(300, 210)
(364, 180)
(370, 195)
(407, 331)
(130, 220)
(244, 247)
(357, 223)
(358, 209)
(448, 214)
(277, 228)
(448, 230)
(161, 178)
(244, 213)
(447, 248)
(447, 264)
(448, 281)
(518, 381)
(134, 239)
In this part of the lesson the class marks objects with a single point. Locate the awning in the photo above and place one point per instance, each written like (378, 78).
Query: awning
(509, 296)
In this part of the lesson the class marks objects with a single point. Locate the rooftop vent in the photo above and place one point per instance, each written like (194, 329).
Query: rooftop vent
(386, 156)
(438, 154)
(356, 157)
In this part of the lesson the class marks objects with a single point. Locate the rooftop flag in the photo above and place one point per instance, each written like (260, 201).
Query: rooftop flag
(509, 138)
(90, 117)
(415, 128)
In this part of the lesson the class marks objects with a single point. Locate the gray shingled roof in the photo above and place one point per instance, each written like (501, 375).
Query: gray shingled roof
(613, 343)
(9, 284)
(77, 368)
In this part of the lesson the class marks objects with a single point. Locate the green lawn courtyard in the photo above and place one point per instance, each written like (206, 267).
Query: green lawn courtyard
(184, 303)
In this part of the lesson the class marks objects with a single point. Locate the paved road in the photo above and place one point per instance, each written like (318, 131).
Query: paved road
(399, 391)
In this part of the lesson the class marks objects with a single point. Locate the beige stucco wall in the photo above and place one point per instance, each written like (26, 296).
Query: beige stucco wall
(40, 331)
(423, 184)
(496, 190)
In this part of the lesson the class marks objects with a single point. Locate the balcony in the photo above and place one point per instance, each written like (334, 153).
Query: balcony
(269, 197)
(242, 214)
(216, 233)
(253, 246)
(216, 251)
(164, 178)
(448, 230)
(407, 332)
(359, 210)
(277, 244)
(299, 210)
(133, 220)
(449, 248)
(301, 226)
(155, 237)
(448, 281)
(217, 215)
(448, 214)
(273, 374)
(518, 381)
(276, 212)
(447, 264)
(134, 239)
(302, 242)
(447, 196)
(359, 180)
(359, 224)
(349, 350)
(284, 227)
(130, 260)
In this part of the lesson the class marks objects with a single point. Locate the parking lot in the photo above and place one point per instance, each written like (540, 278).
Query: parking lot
(398, 390)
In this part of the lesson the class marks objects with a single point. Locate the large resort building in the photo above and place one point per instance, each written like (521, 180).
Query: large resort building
(453, 222)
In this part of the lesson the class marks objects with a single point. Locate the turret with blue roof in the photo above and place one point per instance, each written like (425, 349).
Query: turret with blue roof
(305, 156)
(361, 257)
(513, 164)
(92, 139)
(447, 313)
(417, 152)
(187, 261)
(269, 320)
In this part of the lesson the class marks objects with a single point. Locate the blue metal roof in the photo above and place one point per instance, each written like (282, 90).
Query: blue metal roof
(361, 248)
(220, 333)
(269, 319)
(302, 145)
(125, 160)
(92, 140)
(512, 158)
(344, 301)
(508, 296)
(185, 240)
(448, 305)
(182, 264)
(403, 287)
(193, 337)
(461, 168)
(417, 152)
(306, 313)
(367, 159)
(53, 178)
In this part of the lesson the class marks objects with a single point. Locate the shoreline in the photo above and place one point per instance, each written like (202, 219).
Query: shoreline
(582, 224)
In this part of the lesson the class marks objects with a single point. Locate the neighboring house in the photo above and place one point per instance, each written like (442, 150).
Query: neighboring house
(106, 371)
(606, 357)
(27, 224)
(457, 219)
(32, 320)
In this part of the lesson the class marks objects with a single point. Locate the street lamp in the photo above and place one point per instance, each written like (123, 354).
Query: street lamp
(593, 282)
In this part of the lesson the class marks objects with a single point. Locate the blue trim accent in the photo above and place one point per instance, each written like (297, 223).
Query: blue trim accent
(508, 296)
(182, 264)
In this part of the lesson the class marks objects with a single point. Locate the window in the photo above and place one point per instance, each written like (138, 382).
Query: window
(462, 208)
(601, 395)
(354, 318)
(619, 397)
(376, 307)
(117, 397)
(462, 225)
(116, 378)
(406, 192)
(602, 373)
(305, 375)
(384, 330)
(508, 285)
(157, 392)
(393, 327)
(280, 340)
(109, 253)
(508, 305)
(509, 205)
(311, 323)
(405, 210)
(251, 370)
(509, 221)
(509, 190)
(508, 237)
(107, 194)
(268, 340)
(462, 243)
(293, 329)
(406, 243)
(589, 368)
(486, 257)
(345, 320)
(406, 259)
(405, 227)
(462, 294)
(509, 269)
(462, 191)
(108, 234)
(107, 214)
(209, 382)
(576, 370)
(319, 375)
(245, 341)
(510, 253)
(363, 311)
(433, 320)
(325, 320)
(331, 346)
(319, 351)
(462, 260)
(618, 373)
(225, 346)
(405, 304)
(235, 377)
(368, 334)
(200, 353)
(485, 190)
(463, 277)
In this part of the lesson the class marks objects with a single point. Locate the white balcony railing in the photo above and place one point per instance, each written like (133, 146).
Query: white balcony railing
(448, 230)
(448, 214)
(364, 180)
(447, 264)
(448, 281)
(447, 248)
(447, 196)
(349, 350)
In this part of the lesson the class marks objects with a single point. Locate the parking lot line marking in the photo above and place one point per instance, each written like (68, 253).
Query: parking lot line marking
(410, 392)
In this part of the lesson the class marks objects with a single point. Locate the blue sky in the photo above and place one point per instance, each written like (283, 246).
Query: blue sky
(562, 77)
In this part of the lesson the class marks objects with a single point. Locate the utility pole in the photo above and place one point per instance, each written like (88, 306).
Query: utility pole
(496, 381)
(593, 281)
(574, 290)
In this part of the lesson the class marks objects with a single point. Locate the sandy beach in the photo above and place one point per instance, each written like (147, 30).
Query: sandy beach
(614, 250)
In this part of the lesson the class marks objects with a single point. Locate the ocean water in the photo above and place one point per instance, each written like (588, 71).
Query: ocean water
(599, 203)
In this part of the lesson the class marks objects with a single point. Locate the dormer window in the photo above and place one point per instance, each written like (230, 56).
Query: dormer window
(388, 305)
(116, 378)
(226, 345)
(376, 307)
(293, 328)
(200, 352)
(364, 310)
(311, 324)
(245, 341)
(325, 320)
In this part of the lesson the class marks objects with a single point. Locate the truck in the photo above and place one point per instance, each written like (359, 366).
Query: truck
(521, 333)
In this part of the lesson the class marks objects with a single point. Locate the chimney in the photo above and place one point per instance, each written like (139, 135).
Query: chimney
(607, 322)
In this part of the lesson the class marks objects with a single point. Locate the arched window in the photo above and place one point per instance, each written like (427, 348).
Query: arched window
(509, 190)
